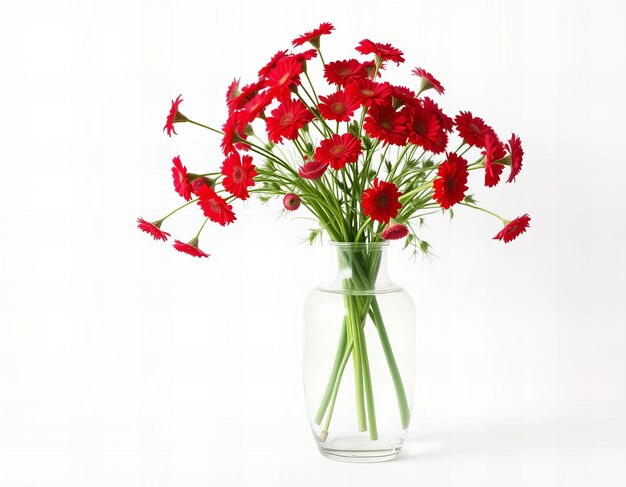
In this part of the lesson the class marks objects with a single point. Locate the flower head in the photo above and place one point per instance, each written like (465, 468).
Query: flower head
(394, 232)
(514, 146)
(238, 172)
(403, 96)
(342, 72)
(182, 183)
(190, 248)
(312, 170)
(425, 129)
(494, 151)
(368, 92)
(214, 207)
(338, 150)
(265, 70)
(384, 52)
(314, 36)
(234, 133)
(289, 117)
(338, 106)
(428, 81)
(381, 202)
(240, 98)
(285, 76)
(291, 202)
(513, 229)
(472, 129)
(446, 122)
(450, 186)
(174, 117)
(386, 124)
(152, 228)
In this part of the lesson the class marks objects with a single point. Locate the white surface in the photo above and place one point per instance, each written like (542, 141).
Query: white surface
(125, 363)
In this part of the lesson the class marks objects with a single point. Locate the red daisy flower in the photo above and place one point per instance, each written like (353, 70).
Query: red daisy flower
(152, 228)
(338, 106)
(232, 92)
(289, 117)
(257, 105)
(403, 96)
(312, 170)
(514, 146)
(265, 70)
(239, 172)
(425, 128)
(472, 129)
(234, 133)
(338, 151)
(285, 76)
(384, 52)
(450, 186)
(382, 201)
(291, 202)
(182, 184)
(174, 117)
(428, 81)
(395, 232)
(342, 72)
(368, 92)
(387, 125)
(214, 207)
(314, 36)
(190, 248)
(446, 122)
(246, 94)
(513, 229)
(494, 151)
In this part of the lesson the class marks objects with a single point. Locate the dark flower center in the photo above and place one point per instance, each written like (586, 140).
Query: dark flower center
(474, 128)
(386, 124)
(382, 200)
(237, 174)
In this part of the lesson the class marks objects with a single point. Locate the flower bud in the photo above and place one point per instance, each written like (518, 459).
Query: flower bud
(291, 202)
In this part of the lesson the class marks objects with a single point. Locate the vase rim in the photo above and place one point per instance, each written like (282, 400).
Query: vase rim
(360, 245)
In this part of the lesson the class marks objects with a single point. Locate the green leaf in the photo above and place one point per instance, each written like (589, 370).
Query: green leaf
(470, 199)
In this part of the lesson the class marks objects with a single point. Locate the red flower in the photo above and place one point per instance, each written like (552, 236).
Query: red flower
(201, 181)
(403, 96)
(387, 125)
(246, 94)
(338, 106)
(257, 105)
(182, 185)
(446, 122)
(314, 36)
(513, 229)
(174, 117)
(342, 72)
(232, 92)
(265, 70)
(291, 202)
(395, 232)
(285, 76)
(472, 129)
(450, 186)
(425, 129)
(385, 52)
(494, 151)
(214, 207)
(289, 117)
(514, 146)
(428, 81)
(312, 170)
(239, 172)
(190, 248)
(368, 92)
(234, 133)
(382, 201)
(152, 228)
(339, 150)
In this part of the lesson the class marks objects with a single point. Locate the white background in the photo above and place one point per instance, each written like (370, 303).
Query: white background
(125, 363)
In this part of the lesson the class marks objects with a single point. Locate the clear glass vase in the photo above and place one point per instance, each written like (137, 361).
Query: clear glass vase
(359, 358)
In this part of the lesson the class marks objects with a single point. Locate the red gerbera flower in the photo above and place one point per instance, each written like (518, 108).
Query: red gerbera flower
(257, 105)
(247, 93)
(285, 76)
(513, 229)
(314, 36)
(152, 228)
(339, 150)
(395, 232)
(403, 96)
(384, 52)
(428, 81)
(368, 92)
(265, 70)
(201, 181)
(446, 122)
(387, 125)
(234, 133)
(214, 207)
(338, 106)
(472, 129)
(174, 117)
(425, 129)
(232, 92)
(190, 248)
(514, 146)
(182, 184)
(450, 186)
(382, 201)
(289, 117)
(342, 72)
(494, 151)
(239, 172)
(312, 170)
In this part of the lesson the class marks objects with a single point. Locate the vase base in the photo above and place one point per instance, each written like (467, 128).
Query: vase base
(359, 450)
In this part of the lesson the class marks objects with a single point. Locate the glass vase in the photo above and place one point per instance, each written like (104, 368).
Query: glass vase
(359, 358)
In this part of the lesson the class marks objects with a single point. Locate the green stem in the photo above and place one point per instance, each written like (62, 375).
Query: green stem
(341, 348)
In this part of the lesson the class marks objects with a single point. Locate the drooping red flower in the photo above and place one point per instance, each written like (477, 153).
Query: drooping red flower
(291, 202)
(285, 76)
(425, 129)
(338, 106)
(385, 52)
(370, 69)
(342, 72)
(494, 151)
(472, 129)
(234, 133)
(386, 124)
(201, 181)
(152, 228)
(182, 184)
(513, 229)
(514, 146)
(312, 170)
(265, 70)
(338, 150)
(232, 92)
(403, 96)
(395, 232)
(190, 248)
(450, 187)
(368, 92)
(214, 207)
(238, 172)
(314, 36)
(247, 93)
(289, 117)
(381, 202)
(428, 81)
(174, 117)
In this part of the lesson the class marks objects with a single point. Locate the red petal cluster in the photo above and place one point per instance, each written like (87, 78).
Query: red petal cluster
(472, 129)
(314, 36)
(338, 150)
(428, 81)
(385, 52)
(190, 248)
(381, 202)
(214, 206)
(338, 106)
(343, 72)
(513, 229)
(368, 92)
(425, 127)
(238, 171)
(312, 170)
(395, 232)
(182, 185)
(386, 124)
(494, 151)
(287, 119)
(450, 187)
(152, 228)
(514, 146)
(174, 117)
